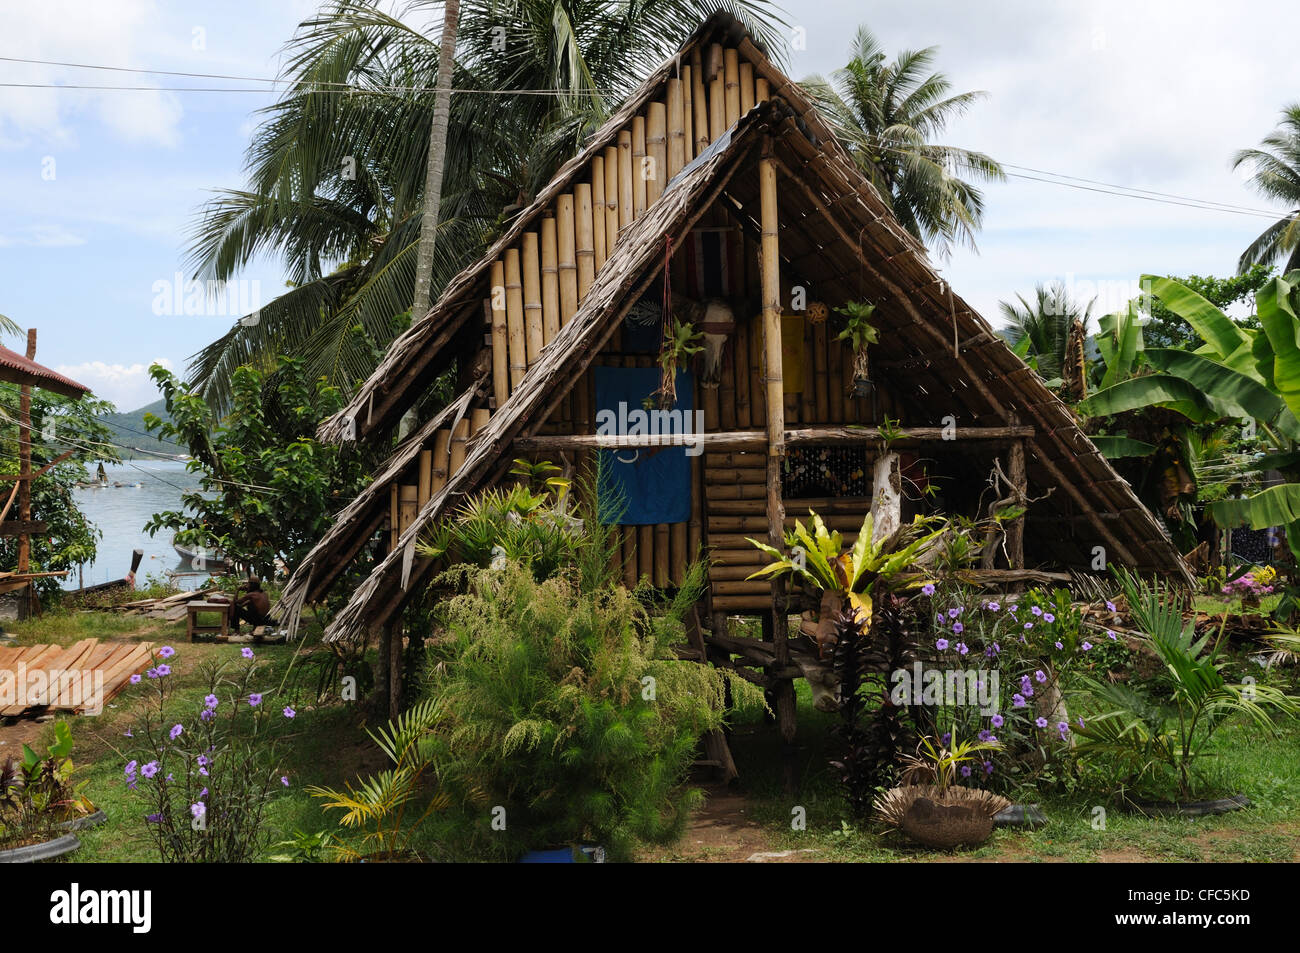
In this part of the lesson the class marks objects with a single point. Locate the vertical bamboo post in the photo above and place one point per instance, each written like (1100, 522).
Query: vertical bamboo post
(550, 280)
(392, 516)
(640, 188)
(568, 258)
(478, 419)
(677, 551)
(731, 86)
(625, 187)
(740, 348)
(441, 460)
(611, 199)
(500, 336)
(771, 297)
(584, 240)
(645, 552)
(717, 94)
(425, 477)
(821, 392)
(515, 319)
(598, 210)
(760, 90)
(700, 102)
(532, 283)
(662, 560)
(688, 116)
(459, 434)
(1016, 474)
(746, 87)
(656, 147)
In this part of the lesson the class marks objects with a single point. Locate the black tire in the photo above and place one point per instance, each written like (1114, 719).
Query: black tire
(1222, 805)
(1028, 816)
(46, 850)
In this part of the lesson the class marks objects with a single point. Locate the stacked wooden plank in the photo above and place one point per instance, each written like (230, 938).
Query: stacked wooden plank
(76, 678)
(168, 608)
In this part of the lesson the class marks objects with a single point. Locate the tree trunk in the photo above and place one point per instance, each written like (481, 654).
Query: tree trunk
(433, 176)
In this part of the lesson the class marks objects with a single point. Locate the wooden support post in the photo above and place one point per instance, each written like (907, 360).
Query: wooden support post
(1016, 527)
(625, 173)
(771, 299)
(699, 101)
(500, 337)
(515, 319)
(656, 150)
(640, 187)
(584, 238)
(532, 284)
(568, 257)
(27, 597)
(550, 281)
(688, 114)
(676, 130)
(598, 210)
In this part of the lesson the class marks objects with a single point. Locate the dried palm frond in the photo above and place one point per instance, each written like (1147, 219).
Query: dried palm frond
(894, 804)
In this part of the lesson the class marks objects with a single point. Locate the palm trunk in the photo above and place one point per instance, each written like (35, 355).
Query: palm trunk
(433, 175)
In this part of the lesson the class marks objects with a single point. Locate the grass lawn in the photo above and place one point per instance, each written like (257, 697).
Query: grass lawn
(327, 744)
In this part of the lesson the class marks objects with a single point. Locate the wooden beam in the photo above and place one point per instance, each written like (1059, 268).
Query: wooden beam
(756, 440)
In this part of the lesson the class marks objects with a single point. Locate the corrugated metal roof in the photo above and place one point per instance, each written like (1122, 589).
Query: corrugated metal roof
(17, 369)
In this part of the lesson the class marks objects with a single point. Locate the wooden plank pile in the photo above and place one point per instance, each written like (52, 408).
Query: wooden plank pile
(168, 608)
(78, 678)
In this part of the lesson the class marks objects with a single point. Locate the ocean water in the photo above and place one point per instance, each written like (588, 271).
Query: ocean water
(121, 511)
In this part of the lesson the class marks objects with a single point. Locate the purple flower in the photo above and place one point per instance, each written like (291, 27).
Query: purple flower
(130, 768)
(1087, 646)
(1048, 617)
(994, 607)
(246, 652)
(997, 721)
(128, 733)
(166, 652)
(289, 712)
(171, 777)
(203, 771)
(284, 780)
(163, 669)
(1018, 700)
(1110, 605)
(203, 760)
(985, 735)
(988, 767)
(150, 769)
(1041, 722)
(152, 673)
(958, 628)
(198, 809)
(210, 701)
(1081, 722)
(1028, 625)
(965, 770)
(1064, 729)
(207, 714)
(1027, 691)
(953, 613)
(203, 794)
(1035, 610)
(941, 644)
(153, 818)
(130, 783)
(176, 731)
(962, 648)
(928, 589)
(1015, 607)
(135, 679)
(254, 700)
(1111, 635)
(1059, 644)
(947, 737)
(1040, 676)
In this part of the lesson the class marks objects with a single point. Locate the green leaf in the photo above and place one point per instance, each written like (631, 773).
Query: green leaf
(1276, 506)
(1162, 390)
(1116, 448)
(1277, 315)
(1228, 387)
(1210, 323)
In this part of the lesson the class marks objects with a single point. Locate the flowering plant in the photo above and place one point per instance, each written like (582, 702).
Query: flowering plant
(206, 775)
(1256, 583)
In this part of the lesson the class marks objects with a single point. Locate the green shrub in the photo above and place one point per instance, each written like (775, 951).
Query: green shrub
(567, 709)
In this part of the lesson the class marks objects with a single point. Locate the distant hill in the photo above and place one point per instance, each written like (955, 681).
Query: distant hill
(129, 431)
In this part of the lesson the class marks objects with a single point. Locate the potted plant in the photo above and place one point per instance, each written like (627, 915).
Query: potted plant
(860, 333)
(681, 342)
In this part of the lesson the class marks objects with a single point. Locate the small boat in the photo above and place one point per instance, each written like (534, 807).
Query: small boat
(100, 588)
(211, 560)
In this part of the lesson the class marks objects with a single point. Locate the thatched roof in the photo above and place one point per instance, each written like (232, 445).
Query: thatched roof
(837, 234)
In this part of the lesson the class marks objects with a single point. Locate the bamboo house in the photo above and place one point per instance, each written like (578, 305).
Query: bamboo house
(719, 188)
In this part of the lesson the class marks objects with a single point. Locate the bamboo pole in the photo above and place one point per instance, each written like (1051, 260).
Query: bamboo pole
(392, 517)
(760, 90)
(717, 94)
(407, 506)
(688, 116)
(584, 238)
(441, 460)
(532, 283)
(459, 435)
(822, 397)
(740, 347)
(631, 538)
(568, 258)
(645, 552)
(695, 532)
(731, 86)
(771, 297)
(663, 557)
(478, 419)
(1016, 474)
(625, 187)
(746, 87)
(656, 145)
(500, 336)
(598, 210)
(700, 101)
(550, 281)
(424, 474)
(640, 188)
(611, 198)
(515, 319)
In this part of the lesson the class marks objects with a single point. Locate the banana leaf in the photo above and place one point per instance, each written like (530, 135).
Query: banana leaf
(1281, 326)
(1163, 390)
(1276, 506)
(1218, 330)
(1234, 390)
(1115, 448)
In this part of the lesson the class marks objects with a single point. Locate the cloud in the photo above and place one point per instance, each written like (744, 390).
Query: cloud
(126, 385)
(74, 32)
(42, 236)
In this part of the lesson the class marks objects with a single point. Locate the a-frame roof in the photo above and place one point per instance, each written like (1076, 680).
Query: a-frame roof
(837, 234)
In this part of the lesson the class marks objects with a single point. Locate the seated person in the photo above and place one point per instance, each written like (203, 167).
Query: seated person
(254, 607)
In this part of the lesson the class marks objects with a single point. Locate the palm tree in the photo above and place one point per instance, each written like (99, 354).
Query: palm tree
(338, 167)
(886, 114)
(1276, 175)
(1049, 332)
